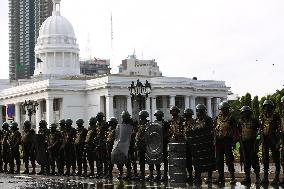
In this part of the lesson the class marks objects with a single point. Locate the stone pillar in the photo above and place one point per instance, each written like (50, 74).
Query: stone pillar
(186, 101)
(217, 101)
(192, 105)
(18, 115)
(209, 106)
(109, 107)
(148, 107)
(129, 105)
(1, 115)
(154, 106)
(49, 110)
(172, 100)
(38, 114)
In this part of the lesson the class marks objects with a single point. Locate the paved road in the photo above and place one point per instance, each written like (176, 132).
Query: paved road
(45, 182)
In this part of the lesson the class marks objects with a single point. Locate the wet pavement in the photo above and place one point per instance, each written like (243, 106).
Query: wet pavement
(46, 182)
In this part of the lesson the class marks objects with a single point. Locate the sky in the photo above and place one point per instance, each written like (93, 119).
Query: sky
(240, 42)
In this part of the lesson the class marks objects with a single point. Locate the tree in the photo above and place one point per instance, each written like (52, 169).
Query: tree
(255, 106)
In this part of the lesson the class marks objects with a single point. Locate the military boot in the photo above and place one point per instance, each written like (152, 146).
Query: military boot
(150, 177)
(79, 173)
(221, 179)
(246, 181)
(265, 180)
(197, 178)
(189, 179)
(11, 169)
(52, 170)
(41, 170)
(67, 172)
(85, 171)
(18, 169)
(209, 178)
(33, 170)
(158, 177)
(233, 179)
(276, 179)
(257, 178)
(92, 173)
(26, 171)
(5, 168)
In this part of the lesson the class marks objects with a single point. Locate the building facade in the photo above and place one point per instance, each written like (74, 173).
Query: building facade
(95, 67)
(25, 17)
(133, 66)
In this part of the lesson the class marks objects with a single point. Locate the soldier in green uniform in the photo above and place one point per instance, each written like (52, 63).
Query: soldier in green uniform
(14, 145)
(270, 125)
(165, 125)
(28, 147)
(110, 142)
(225, 128)
(188, 125)
(140, 141)
(89, 153)
(282, 136)
(101, 129)
(6, 151)
(69, 148)
(248, 128)
(43, 130)
(61, 157)
(81, 134)
(176, 130)
(53, 147)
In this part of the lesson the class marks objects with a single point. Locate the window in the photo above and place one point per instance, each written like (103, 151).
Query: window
(56, 104)
(159, 102)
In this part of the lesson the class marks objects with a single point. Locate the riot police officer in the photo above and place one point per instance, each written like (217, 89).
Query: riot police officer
(89, 153)
(160, 119)
(14, 144)
(44, 132)
(28, 147)
(6, 151)
(202, 145)
(81, 134)
(69, 148)
(188, 125)
(248, 128)
(270, 140)
(140, 141)
(61, 157)
(225, 134)
(176, 131)
(53, 148)
(101, 129)
(110, 142)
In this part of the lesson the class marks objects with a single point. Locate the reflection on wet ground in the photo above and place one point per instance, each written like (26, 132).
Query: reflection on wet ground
(38, 182)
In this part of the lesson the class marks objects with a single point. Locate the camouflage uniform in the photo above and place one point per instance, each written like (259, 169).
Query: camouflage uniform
(89, 153)
(69, 148)
(225, 133)
(28, 147)
(14, 144)
(81, 134)
(101, 129)
(176, 130)
(270, 125)
(248, 128)
(54, 147)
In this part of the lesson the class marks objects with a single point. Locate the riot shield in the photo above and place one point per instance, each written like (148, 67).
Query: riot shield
(154, 143)
(40, 149)
(119, 154)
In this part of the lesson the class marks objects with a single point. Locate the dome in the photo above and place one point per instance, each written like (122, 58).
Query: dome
(57, 51)
(56, 25)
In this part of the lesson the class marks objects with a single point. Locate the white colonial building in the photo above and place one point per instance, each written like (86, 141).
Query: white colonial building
(62, 94)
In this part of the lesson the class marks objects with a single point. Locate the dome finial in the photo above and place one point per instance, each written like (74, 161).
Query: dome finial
(56, 7)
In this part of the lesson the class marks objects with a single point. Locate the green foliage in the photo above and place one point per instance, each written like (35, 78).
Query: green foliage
(255, 106)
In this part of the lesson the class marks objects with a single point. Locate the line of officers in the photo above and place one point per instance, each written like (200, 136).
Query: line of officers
(73, 149)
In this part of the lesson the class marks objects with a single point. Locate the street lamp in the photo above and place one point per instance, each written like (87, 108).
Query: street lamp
(139, 90)
(30, 108)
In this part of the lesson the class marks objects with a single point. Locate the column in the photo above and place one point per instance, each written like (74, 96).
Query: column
(1, 115)
(38, 114)
(192, 105)
(49, 110)
(18, 115)
(209, 106)
(109, 106)
(186, 101)
(129, 105)
(154, 106)
(217, 101)
(172, 100)
(148, 107)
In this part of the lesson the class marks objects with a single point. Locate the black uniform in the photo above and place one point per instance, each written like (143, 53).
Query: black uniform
(28, 149)
(248, 129)
(14, 143)
(44, 132)
(89, 153)
(81, 134)
(61, 157)
(6, 149)
(54, 139)
(225, 131)
(110, 142)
